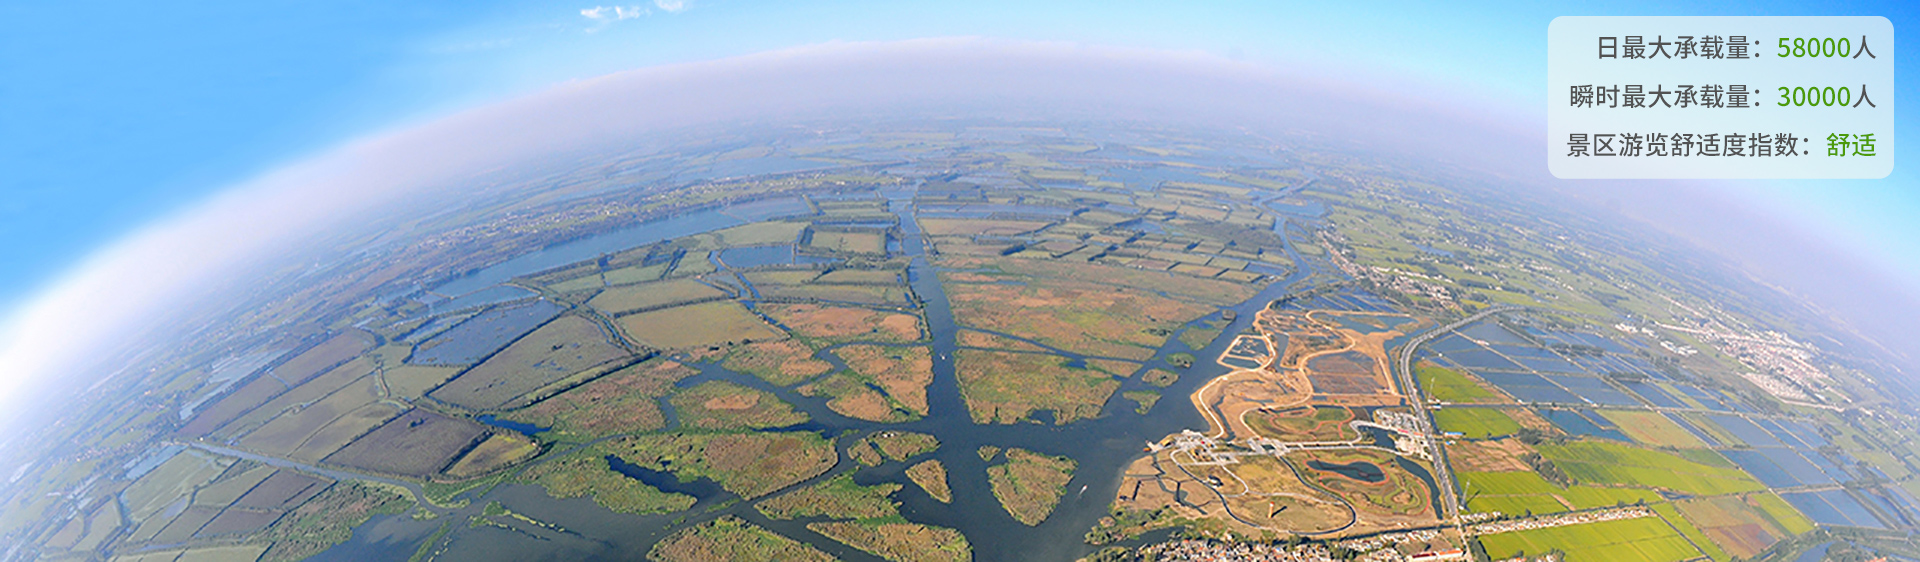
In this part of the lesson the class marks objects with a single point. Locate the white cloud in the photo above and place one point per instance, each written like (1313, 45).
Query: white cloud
(617, 13)
(671, 6)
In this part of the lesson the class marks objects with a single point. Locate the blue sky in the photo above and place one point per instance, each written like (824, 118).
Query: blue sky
(117, 114)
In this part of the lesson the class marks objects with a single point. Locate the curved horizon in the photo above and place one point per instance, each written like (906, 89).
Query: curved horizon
(137, 283)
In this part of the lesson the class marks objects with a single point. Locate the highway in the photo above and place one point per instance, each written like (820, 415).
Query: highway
(1403, 373)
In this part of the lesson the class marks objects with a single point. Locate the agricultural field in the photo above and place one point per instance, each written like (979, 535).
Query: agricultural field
(418, 444)
(1523, 492)
(261, 388)
(848, 241)
(587, 474)
(1448, 385)
(1744, 525)
(733, 539)
(410, 382)
(978, 227)
(649, 296)
(1029, 484)
(698, 325)
(349, 374)
(1653, 429)
(1476, 423)
(1647, 539)
(1595, 462)
(567, 346)
(1007, 387)
(839, 324)
(862, 277)
(748, 464)
(624, 401)
(721, 405)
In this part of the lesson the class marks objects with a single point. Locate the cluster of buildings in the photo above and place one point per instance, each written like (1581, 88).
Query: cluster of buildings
(1575, 518)
(1197, 550)
(1782, 367)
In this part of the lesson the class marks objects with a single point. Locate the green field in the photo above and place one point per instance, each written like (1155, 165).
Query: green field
(1652, 428)
(1448, 385)
(1594, 462)
(1475, 423)
(1647, 539)
(1519, 493)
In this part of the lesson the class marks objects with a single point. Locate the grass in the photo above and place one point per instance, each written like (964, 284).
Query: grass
(1030, 484)
(1624, 540)
(648, 296)
(1652, 428)
(698, 325)
(1309, 423)
(1143, 398)
(624, 401)
(839, 324)
(1076, 316)
(329, 519)
(855, 242)
(748, 464)
(1519, 493)
(899, 541)
(410, 382)
(1161, 377)
(725, 405)
(931, 476)
(902, 445)
(587, 474)
(733, 539)
(1197, 337)
(836, 498)
(861, 277)
(1608, 463)
(1448, 385)
(903, 373)
(977, 227)
(499, 450)
(566, 346)
(1475, 423)
(171, 481)
(1007, 387)
(417, 444)
(783, 363)
(876, 295)
(1686, 528)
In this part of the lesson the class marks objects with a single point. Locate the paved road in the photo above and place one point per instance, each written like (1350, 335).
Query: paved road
(1442, 472)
